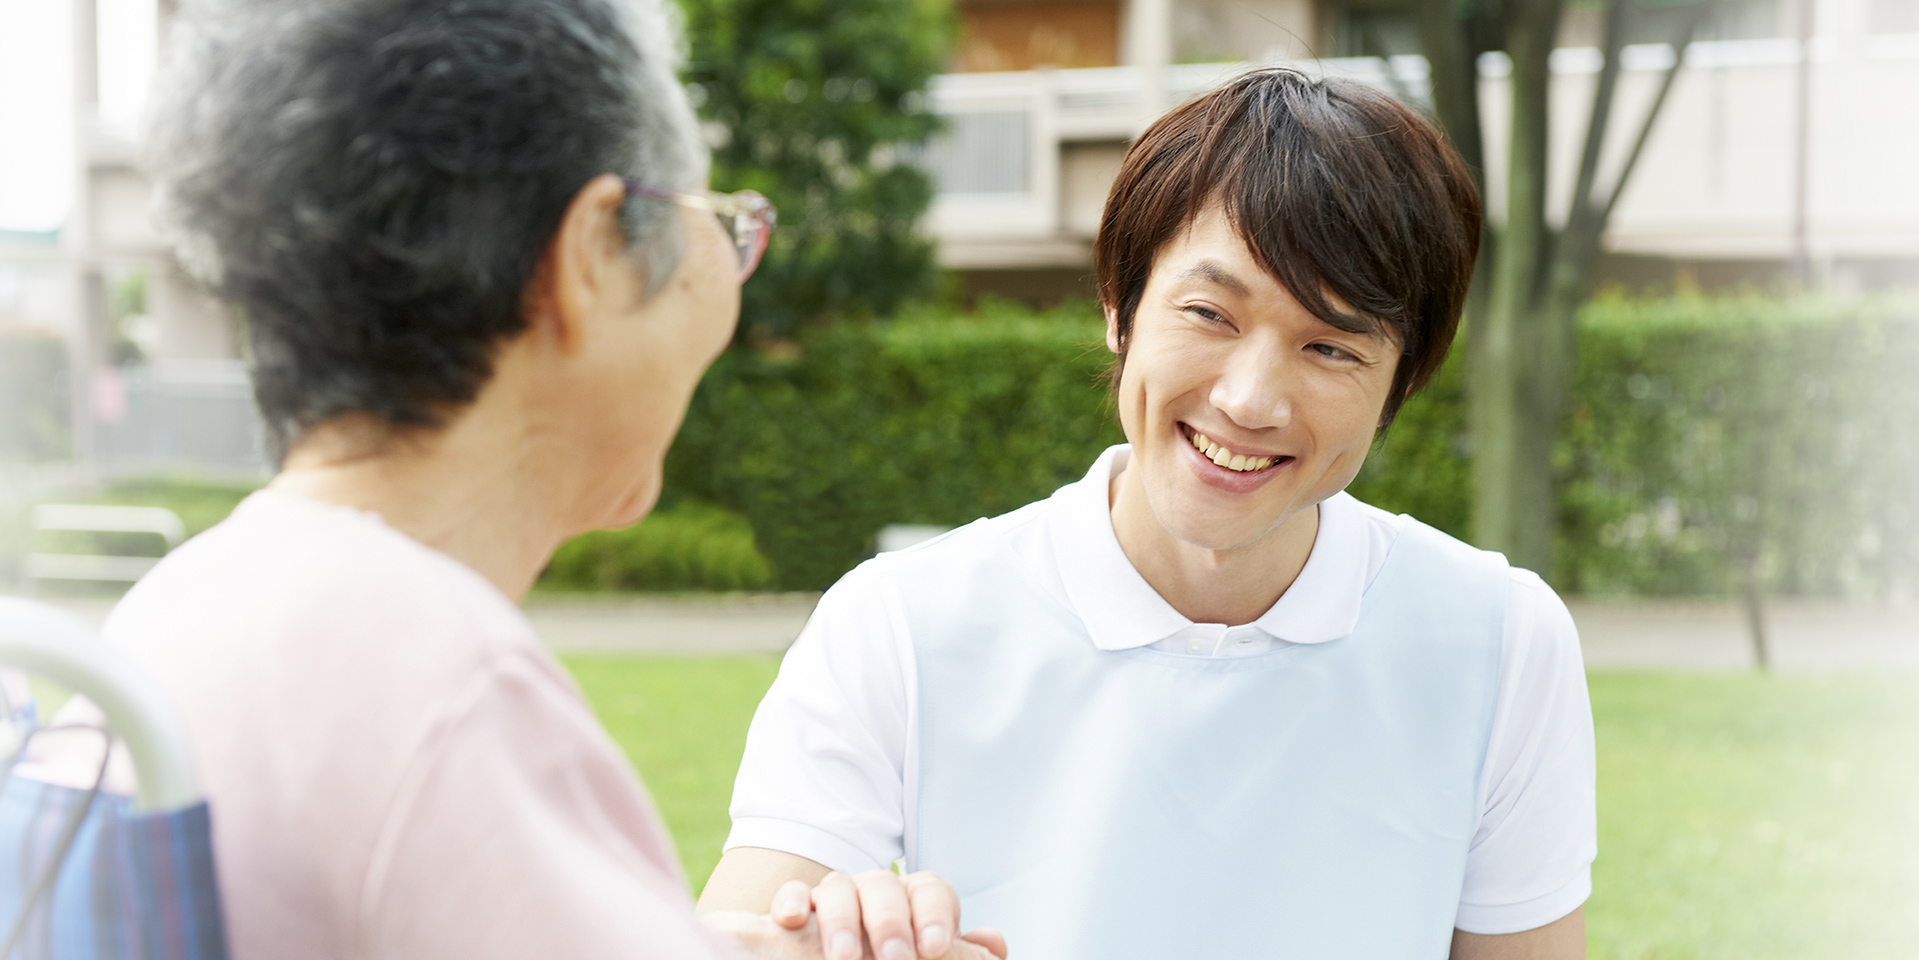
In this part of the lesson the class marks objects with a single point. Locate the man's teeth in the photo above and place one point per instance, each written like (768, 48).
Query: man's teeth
(1232, 461)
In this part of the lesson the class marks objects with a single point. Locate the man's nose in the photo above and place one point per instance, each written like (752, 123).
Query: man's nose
(1253, 387)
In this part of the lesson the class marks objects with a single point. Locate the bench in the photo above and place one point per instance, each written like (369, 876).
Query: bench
(85, 518)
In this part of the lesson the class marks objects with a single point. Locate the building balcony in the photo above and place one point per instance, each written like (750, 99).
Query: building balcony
(1022, 172)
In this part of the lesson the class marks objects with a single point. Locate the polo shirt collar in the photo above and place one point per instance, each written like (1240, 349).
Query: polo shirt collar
(1123, 612)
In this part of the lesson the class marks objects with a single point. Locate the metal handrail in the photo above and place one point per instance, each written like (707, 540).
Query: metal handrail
(50, 643)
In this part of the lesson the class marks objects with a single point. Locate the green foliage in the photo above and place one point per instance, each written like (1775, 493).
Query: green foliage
(33, 409)
(1707, 433)
(928, 419)
(689, 546)
(818, 99)
(1699, 429)
(1423, 464)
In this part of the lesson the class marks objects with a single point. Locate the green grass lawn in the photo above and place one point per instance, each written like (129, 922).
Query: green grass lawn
(683, 722)
(1748, 816)
(1741, 817)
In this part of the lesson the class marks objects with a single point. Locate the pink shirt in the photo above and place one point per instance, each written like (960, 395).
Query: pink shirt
(395, 766)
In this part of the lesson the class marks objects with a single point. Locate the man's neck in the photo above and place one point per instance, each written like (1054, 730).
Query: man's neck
(1234, 586)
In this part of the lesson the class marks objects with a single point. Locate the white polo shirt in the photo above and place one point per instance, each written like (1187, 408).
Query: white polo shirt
(830, 769)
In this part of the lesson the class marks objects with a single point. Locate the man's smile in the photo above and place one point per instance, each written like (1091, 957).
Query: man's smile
(1227, 458)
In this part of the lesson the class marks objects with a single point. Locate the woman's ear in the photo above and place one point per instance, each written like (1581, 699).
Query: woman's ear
(1112, 330)
(574, 282)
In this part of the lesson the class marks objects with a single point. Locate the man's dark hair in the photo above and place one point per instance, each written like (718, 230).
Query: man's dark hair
(372, 183)
(1336, 188)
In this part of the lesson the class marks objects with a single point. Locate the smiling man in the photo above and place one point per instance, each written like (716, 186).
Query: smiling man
(1202, 703)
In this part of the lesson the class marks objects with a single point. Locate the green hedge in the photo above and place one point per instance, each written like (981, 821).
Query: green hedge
(1702, 432)
(688, 546)
(926, 419)
(1701, 428)
(1705, 431)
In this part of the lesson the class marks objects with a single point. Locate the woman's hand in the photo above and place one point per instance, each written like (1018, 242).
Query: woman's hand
(885, 916)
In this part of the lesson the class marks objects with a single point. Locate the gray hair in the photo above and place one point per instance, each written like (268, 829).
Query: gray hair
(372, 183)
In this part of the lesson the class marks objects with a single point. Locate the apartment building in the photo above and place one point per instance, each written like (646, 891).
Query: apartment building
(1045, 94)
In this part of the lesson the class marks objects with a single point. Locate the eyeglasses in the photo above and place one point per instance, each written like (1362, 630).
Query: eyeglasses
(747, 217)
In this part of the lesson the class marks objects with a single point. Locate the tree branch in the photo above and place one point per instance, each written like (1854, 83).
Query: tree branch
(1453, 67)
(1681, 44)
(1612, 41)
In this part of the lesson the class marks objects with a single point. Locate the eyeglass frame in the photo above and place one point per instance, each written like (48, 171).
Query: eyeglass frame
(746, 208)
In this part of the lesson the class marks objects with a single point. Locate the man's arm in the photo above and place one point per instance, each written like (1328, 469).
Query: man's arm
(1562, 939)
(748, 877)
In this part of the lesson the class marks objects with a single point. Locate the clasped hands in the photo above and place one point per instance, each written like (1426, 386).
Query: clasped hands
(877, 915)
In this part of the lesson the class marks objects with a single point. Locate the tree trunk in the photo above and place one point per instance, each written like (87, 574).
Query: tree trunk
(1520, 337)
(1512, 435)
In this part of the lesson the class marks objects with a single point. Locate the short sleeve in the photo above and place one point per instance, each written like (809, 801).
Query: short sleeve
(825, 766)
(1531, 859)
(522, 832)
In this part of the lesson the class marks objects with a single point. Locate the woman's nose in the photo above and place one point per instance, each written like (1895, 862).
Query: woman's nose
(1252, 389)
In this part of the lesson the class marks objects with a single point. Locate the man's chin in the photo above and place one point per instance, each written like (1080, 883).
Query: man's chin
(1213, 533)
(1216, 527)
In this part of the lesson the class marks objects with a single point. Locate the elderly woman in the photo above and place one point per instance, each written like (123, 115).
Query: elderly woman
(1201, 703)
(479, 281)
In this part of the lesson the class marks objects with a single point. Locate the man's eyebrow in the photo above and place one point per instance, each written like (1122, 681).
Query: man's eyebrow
(1357, 323)
(1212, 272)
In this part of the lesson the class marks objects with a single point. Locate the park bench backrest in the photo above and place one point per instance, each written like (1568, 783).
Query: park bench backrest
(93, 518)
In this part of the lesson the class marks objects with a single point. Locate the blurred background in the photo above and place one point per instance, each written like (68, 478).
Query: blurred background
(1703, 258)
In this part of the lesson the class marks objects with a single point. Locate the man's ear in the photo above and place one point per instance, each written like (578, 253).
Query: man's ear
(571, 284)
(1112, 329)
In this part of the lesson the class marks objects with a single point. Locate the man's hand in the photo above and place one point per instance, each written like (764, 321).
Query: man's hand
(793, 932)
(876, 914)
(894, 918)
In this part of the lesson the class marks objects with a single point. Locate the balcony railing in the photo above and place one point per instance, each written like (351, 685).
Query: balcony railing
(1715, 179)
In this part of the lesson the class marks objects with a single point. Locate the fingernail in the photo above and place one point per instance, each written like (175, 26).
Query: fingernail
(846, 946)
(934, 941)
(896, 949)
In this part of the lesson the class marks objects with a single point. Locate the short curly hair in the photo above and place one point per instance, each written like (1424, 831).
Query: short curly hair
(1335, 187)
(371, 184)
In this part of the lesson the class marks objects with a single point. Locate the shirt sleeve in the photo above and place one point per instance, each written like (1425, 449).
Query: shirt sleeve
(522, 832)
(1531, 859)
(824, 771)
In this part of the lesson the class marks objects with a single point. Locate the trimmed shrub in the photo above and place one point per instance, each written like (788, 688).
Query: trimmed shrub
(928, 419)
(1707, 435)
(688, 546)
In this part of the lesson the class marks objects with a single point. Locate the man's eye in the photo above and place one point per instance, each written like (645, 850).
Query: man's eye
(1205, 314)
(1328, 350)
